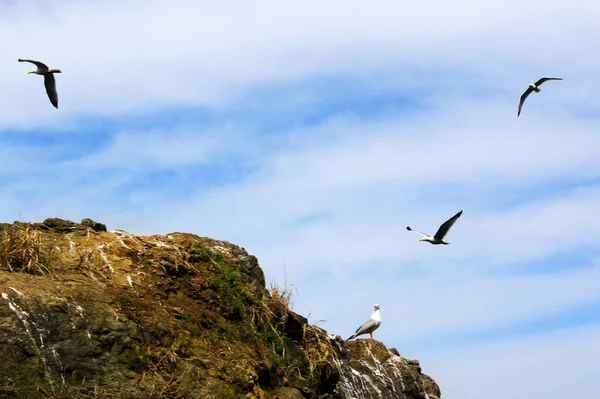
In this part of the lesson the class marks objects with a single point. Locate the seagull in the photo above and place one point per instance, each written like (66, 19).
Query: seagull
(49, 82)
(533, 87)
(442, 231)
(370, 325)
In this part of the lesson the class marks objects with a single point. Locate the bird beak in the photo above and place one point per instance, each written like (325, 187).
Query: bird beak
(28, 72)
(420, 239)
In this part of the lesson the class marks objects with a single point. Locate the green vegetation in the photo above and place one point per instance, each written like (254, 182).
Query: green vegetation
(131, 300)
(225, 280)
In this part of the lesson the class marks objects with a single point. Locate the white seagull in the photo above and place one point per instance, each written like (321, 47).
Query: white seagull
(532, 87)
(442, 231)
(49, 82)
(369, 326)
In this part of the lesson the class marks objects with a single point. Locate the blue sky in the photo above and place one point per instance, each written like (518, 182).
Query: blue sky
(311, 134)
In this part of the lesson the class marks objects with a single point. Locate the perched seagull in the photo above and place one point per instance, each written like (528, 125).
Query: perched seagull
(370, 325)
(532, 87)
(442, 231)
(49, 82)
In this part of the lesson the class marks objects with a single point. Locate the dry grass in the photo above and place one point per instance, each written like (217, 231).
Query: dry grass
(21, 250)
(24, 248)
(282, 299)
(282, 295)
(166, 377)
(315, 342)
(318, 348)
(8, 388)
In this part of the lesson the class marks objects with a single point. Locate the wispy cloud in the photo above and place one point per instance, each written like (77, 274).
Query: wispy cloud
(555, 364)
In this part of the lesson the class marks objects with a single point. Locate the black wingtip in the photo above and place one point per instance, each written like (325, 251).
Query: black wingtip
(408, 228)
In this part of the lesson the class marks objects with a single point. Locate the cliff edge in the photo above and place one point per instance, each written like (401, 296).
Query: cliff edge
(91, 313)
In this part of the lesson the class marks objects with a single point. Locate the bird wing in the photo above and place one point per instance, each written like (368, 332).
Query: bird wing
(369, 326)
(542, 80)
(423, 234)
(50, 84)
(523, 97)
(36, 63)
(446, 226)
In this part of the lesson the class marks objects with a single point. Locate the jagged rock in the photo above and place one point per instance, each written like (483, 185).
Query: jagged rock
(89, 223)
(293, 323)
(66, 226)
(110, 314)
(372, 371)
(59, 225)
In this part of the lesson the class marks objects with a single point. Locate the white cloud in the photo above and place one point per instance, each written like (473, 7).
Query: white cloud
(557, 364)
(132, 56)
(374, 181)
(162, 149)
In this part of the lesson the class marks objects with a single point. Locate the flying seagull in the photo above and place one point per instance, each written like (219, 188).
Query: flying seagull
(49, 82)
(532, 87)
(438, 238)
(370, 325)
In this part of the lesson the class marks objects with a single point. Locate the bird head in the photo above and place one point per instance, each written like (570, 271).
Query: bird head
(376, 306)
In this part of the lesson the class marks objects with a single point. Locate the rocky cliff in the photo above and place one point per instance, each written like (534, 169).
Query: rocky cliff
(90, 313)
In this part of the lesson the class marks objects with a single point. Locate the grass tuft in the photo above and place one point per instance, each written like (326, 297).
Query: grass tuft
(21, 250)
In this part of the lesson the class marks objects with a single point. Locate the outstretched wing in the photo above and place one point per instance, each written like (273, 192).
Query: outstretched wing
(36, 63)
(523, 97)
(446, 226)
(423, 234)
(542, 80)
(50, 84)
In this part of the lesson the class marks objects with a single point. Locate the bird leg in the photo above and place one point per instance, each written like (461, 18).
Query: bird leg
(371, 335)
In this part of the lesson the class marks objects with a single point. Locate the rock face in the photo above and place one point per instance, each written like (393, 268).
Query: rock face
(90, 313)
(372, 371)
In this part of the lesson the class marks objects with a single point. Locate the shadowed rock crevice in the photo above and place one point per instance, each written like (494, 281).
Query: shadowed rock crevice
(92, 313)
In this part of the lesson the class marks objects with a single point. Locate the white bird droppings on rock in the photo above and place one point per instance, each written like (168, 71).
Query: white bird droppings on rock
(16, 291)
